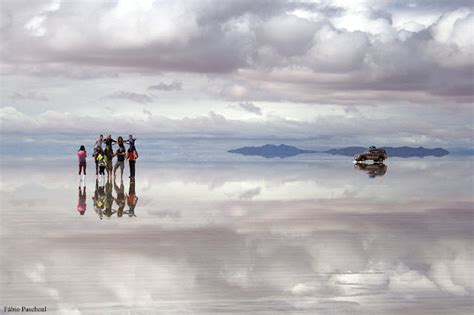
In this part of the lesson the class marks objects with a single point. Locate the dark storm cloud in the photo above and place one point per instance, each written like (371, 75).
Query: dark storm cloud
(162, 86)
(131, 96)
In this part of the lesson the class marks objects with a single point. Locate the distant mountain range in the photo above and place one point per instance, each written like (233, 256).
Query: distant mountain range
(393, 151)
(285, 151)
(271, 151)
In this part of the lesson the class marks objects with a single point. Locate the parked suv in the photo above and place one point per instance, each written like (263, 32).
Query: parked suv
(378, 155)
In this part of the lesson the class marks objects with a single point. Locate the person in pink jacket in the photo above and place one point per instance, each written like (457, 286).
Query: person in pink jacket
(81, 203)
(81, 156)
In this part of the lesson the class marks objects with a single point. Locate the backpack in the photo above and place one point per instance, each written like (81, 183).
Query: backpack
(101, 160)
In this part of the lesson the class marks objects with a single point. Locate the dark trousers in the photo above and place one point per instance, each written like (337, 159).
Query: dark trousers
(132, 168)
(82, 166)
(96, 167)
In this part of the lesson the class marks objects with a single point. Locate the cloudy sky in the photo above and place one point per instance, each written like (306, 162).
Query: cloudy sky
(388, 72)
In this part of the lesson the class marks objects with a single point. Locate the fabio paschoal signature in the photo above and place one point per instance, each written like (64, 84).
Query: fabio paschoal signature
(21, 309)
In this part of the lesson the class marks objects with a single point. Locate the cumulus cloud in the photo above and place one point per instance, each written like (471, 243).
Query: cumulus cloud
(162, 86)
(249, 107)
(147, 113)
(386, 58)
(250, 193)
(357, 130)
(131, 96)
(342, 51)
(32, 96)
(66, 71)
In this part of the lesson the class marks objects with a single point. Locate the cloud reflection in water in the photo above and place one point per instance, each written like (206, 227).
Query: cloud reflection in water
(220, 238)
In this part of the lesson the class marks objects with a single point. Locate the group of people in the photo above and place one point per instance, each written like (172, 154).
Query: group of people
(103, 199)
(103, 157)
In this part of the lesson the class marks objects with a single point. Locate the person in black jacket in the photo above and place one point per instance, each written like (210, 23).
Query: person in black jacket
(120, 154)
(109, 142)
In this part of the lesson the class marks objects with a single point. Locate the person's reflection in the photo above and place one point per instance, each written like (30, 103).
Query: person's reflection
(373, 170)
(109, 199)
(120, 200)
(99, 199)
(132, 199)
(81, 203)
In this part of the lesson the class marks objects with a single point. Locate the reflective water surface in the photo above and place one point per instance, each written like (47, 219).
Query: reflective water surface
(281, 237)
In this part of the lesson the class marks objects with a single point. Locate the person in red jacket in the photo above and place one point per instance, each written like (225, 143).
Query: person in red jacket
(132, 157)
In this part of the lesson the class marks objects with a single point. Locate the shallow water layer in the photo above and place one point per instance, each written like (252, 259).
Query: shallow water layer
(293, 237)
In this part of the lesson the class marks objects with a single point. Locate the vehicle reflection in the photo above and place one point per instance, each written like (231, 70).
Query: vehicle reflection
(373, 170)
(104, 199)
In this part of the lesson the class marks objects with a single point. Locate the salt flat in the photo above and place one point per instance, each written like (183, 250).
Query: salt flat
(316, 237)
